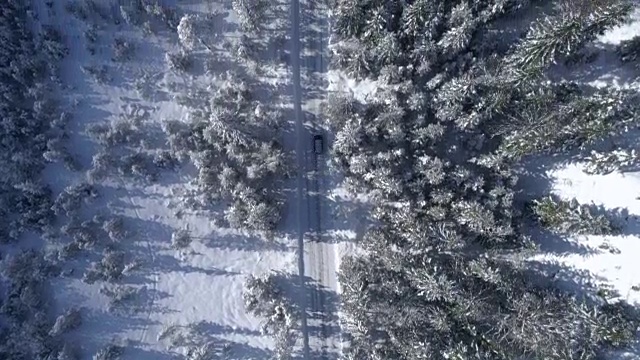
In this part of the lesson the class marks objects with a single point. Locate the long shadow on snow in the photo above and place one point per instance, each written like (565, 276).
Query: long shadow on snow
(312, 290)
(291, 287)
(136, 352)
(142, 301)
(153, 232)
(168, 263)
(344, 213)
(210, 333)
(631, 353)
(605, 66)
(318, 354)
(159, 235)
(349, 213)
(137, 192)
(100, 326)
(557, 275)
(241, 242)
(534, 182)
(341, 213)
(240, 351)
(212, 328)
(124, 75)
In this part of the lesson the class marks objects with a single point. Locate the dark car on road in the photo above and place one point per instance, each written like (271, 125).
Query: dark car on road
(318, 144)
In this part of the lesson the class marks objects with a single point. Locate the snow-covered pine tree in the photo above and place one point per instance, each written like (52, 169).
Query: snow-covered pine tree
(606, 162)
(265, 297)
(28, 113)
(251, 13)
(570, 217)
(70, 320)
(565, 33)
(235, 156)
(442, 275)
(109, 352)
(629, 51)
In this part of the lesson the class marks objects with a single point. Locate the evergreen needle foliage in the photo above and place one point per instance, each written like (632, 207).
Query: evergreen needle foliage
(606, 162)
(443, 275)
(567, 32)
(629, 50)
(579, 120)
(570, 217)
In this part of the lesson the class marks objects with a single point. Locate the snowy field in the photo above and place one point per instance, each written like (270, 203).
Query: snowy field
(167, 290)
(202, 284)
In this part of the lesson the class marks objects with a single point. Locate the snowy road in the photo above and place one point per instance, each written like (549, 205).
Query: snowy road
(317, 265)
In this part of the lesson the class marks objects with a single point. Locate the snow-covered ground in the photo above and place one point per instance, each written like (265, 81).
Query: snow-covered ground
(198, 288)
(606, 263)
(203, 284)
(200, 285)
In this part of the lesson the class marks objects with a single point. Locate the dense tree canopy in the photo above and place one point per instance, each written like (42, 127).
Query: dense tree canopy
(464, 98)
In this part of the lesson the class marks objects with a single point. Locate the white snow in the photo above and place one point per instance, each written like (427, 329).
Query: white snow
(205, 282)
(612, 191)
(610, 261)
(360, 90)
(201, 284)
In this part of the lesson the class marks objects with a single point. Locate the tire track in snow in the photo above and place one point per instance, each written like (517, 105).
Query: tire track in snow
(322, 256)
(301, 161)
(317, 268)
(316, 265)
(318, 256)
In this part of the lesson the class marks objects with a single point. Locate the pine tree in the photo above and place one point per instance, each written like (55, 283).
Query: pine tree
(571, 217)
(605, 163)
(442, 276)
(350, 18)
(565, 33)
(629, 50)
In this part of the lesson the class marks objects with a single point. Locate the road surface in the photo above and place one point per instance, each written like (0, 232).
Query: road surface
(317, 266)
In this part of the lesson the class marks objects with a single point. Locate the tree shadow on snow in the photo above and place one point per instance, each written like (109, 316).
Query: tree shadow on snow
(558, 275)
(136, 352)
(211, 334)
(169, 263)
(535, 181)
(154, 233)
(100, 328)
(631, 353)
(550, 243)
(241, 351)
(147, 297)
(212, 328)
(242, 242)
(326, 217)
(319, 303)
(604, 65)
